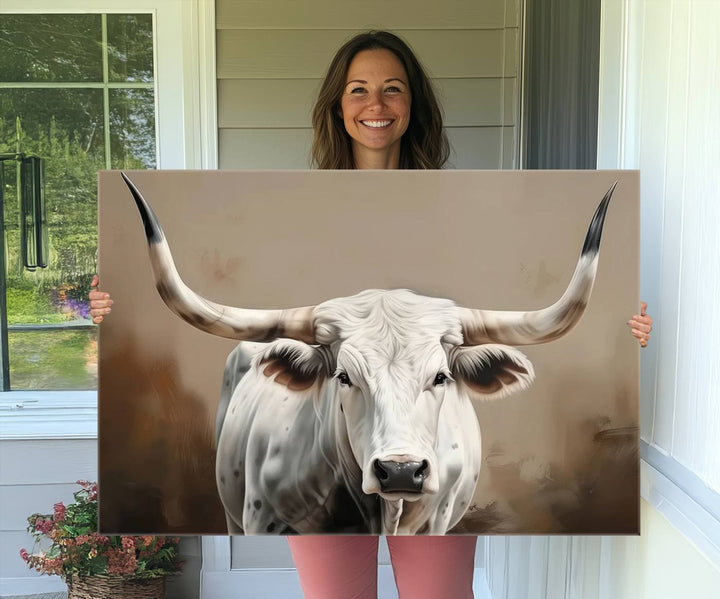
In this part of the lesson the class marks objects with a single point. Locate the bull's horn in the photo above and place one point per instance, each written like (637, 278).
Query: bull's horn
(541, 326)
(225, 321)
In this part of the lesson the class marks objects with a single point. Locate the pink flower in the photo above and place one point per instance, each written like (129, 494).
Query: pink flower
(121, 562)
(100, 539)
(44, 526)
(128, 543)
(25, 555)
(59, 512)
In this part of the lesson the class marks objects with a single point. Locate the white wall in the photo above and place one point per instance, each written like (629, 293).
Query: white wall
(659, 564)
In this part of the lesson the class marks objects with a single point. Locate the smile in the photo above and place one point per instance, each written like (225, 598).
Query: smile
(376, 124)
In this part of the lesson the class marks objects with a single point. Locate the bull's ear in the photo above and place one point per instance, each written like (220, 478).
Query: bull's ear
(294, 364)
(491, 371)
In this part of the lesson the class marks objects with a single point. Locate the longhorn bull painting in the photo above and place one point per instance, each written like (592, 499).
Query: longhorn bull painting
(359, 414)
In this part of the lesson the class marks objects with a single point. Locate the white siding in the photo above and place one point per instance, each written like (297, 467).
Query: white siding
(271, 58)
(670, 130)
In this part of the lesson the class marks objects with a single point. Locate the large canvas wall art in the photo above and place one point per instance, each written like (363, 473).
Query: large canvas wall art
(383, 352)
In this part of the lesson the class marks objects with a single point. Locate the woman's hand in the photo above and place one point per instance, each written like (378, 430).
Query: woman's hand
(100, 302)
(641, 325)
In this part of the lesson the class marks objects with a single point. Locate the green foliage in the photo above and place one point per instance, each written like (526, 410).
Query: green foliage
(66, 127)
(53, 359)
(26, 305)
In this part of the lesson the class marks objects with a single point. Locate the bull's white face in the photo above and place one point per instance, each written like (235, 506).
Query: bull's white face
(395, 358)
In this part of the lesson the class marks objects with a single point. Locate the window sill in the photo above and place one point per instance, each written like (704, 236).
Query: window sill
(691, 506)
(48, 415)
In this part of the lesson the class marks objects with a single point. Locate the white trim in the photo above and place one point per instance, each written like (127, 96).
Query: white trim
(201, 84)
(692, 520)
(48, 415)
(611, 85)
(216, 554)
(31, 586)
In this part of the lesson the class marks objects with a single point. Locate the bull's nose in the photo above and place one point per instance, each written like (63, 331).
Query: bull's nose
(396, 477)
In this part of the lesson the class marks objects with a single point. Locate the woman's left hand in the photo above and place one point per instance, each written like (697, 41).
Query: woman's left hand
(641, 325)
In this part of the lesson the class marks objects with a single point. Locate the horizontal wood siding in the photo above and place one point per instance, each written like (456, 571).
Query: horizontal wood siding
(34, 476)
(350, 14)
(307, 53)
(287, 103)
(271, 58)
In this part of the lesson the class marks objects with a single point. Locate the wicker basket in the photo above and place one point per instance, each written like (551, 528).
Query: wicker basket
(116, 587)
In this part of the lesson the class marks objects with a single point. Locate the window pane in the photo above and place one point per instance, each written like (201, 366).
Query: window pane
(132, 128)
(51, 119)
(65, 127)
(50, 48)
(54, 359)
(130, 47)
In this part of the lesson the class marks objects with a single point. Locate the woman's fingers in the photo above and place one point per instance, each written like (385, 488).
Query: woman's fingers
(100, 302)
(641, 325)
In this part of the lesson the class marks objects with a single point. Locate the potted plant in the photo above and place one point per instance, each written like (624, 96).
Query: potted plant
(96, 566)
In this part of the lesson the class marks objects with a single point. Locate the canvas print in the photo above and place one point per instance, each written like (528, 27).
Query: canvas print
(365, 410)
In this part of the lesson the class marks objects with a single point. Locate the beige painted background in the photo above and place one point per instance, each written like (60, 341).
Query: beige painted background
(560, 457)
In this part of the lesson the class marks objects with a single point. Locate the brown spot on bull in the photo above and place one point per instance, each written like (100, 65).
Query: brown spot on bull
(286, 375)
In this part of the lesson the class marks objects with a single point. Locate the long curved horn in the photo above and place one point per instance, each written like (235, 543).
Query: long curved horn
(541, 326)
(224, 321)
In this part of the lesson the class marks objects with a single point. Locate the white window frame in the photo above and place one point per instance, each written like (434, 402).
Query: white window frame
(186, 132)
(673, 489)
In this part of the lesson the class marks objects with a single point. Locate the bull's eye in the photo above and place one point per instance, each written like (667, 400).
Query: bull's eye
(343, 378)
(440, 379)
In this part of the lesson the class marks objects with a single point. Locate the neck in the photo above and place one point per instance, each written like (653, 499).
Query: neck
(385, 159)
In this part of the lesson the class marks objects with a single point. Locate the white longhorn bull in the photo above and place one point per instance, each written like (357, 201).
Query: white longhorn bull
(356, 415)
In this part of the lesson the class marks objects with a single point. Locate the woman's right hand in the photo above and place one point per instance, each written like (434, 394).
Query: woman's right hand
(100, 302)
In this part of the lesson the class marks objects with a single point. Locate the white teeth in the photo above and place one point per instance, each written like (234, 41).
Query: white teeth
(376, 123)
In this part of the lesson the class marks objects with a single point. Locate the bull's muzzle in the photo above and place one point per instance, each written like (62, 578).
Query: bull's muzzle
(401, 477)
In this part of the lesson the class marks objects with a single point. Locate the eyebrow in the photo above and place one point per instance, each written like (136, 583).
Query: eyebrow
(386, 81)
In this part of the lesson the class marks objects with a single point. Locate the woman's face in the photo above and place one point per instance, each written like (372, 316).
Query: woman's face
(375, 106)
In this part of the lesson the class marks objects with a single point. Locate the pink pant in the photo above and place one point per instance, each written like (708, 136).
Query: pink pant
(344, 567)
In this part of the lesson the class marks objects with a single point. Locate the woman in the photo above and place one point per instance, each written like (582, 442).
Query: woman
(377, 110)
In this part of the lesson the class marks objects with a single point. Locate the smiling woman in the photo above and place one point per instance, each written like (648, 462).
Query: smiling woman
(377, 109)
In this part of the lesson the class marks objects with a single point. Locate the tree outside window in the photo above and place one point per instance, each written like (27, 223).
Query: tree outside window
(78, 91)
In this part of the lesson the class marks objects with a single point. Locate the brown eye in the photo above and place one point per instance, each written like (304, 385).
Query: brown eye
(440, 379)
(343, 379)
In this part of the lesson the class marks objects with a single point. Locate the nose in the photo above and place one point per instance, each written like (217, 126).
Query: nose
(407, 477)
(376, 99)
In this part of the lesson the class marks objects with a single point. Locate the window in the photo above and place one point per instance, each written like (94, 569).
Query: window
(77, 90)
(186, 125)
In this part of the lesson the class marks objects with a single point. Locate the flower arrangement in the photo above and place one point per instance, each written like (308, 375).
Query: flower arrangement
(78, 551)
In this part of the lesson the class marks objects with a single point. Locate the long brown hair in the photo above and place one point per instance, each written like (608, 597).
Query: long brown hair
(424, 144)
